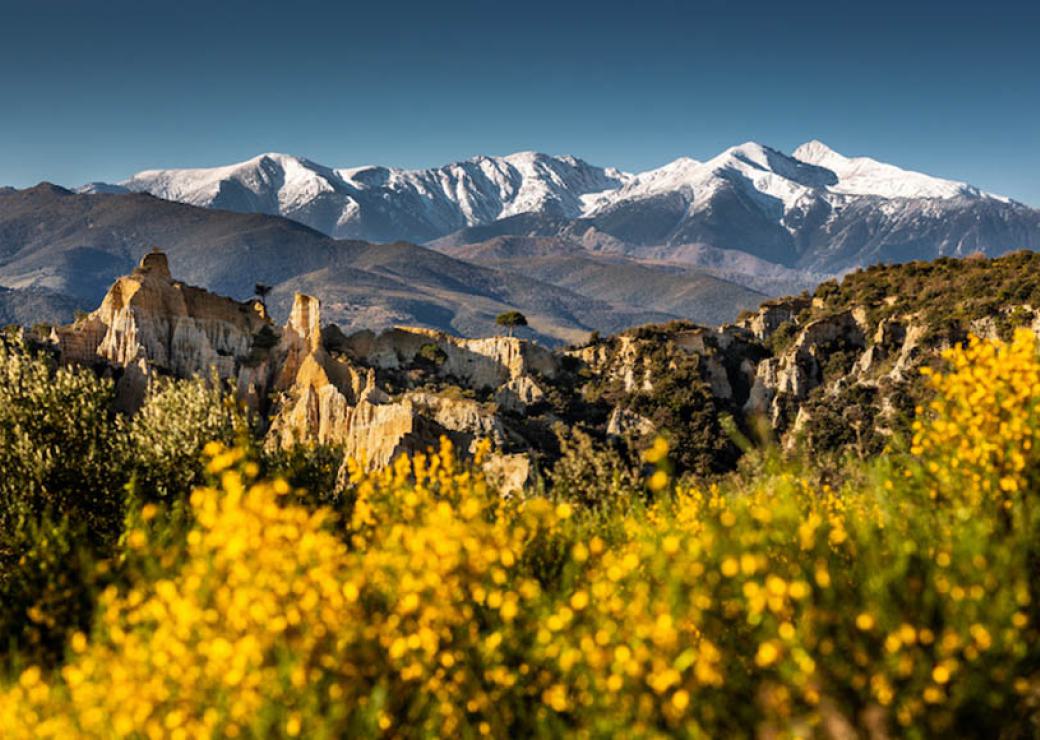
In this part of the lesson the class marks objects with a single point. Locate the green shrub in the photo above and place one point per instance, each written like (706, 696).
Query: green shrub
(60, 450)
(48, 578)
(593, 476)
(166, 436)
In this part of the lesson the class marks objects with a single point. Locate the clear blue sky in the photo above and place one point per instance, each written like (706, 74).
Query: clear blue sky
(99, 90)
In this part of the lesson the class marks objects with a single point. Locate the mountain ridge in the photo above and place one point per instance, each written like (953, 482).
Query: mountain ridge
(813, 210)
(75, 245)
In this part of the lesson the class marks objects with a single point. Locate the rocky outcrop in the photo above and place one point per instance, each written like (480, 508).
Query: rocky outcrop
(772, 314)
(623, 358)
(478, 363)
(519, 393)
(331, 397)
(625, 423)
(312, 383)
(782, 383)
(328, 383)
(511, 473)
(800, 364)
(150, 322)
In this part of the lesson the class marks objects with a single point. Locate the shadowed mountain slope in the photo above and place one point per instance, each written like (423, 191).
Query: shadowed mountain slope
(75, 245)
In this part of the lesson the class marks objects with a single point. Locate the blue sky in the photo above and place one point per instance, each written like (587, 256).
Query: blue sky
(99, 90)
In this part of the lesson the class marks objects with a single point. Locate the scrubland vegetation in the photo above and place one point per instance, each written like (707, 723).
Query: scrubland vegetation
(164, 576)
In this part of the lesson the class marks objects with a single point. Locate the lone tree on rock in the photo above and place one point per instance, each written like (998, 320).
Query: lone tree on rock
(510, 320)
(262, 290)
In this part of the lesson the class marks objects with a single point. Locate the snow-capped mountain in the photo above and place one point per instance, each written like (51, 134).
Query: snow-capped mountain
(866, 176)
(814, 208)
(385, 204)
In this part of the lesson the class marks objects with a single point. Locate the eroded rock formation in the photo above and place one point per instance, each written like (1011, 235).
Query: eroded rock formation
(150, 322)
(838, 370)
(312, 383)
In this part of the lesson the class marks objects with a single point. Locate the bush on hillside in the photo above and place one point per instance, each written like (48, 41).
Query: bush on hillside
(166, 436)
(60, 449)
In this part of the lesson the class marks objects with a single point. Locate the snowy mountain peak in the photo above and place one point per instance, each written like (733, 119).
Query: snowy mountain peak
(527, 157)
(815, 152)
(866, 176)
(756, 161)
(749, 151)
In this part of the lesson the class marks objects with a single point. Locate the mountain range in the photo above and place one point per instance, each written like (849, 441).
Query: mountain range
(576, 247)
(59, 251)
(813, 210)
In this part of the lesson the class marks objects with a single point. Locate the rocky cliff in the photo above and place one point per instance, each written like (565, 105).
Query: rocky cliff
(148, 322)
(840, 367)
(311, 384)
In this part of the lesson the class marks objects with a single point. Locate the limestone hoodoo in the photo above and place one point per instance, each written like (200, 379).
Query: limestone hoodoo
(150, 322)
(309, 383)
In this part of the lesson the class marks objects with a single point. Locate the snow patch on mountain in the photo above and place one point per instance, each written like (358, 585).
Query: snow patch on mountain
(866, 176)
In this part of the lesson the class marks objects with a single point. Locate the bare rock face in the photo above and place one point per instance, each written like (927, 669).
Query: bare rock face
(176, 327)
(375, 434)
(319, 393)
(772, 314)
(888, 340)
(148, 321)
(626, 423)
(626, 361)
(767, 381)
(783, 383)
(479, 363)
(331, 397)
(519, 393)
(509, 473)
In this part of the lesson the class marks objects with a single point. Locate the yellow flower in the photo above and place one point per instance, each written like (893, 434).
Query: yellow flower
(658, 481)
(680, 699)
(767, 654)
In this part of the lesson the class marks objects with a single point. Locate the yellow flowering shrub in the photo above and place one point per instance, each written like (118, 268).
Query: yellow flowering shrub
(901, 601)
(983, 427)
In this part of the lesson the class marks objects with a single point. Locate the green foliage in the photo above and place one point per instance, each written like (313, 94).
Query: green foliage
(263, 342)
(844, 422)
(313, 471)
(166, 436)
(48, 576)
(265, 339)
(432, 354)
(958, 289)
(73, 472)
(782, 337)
(60, 448)
(680, 403)
(41, 331)
(591, 475)
(511, 320)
